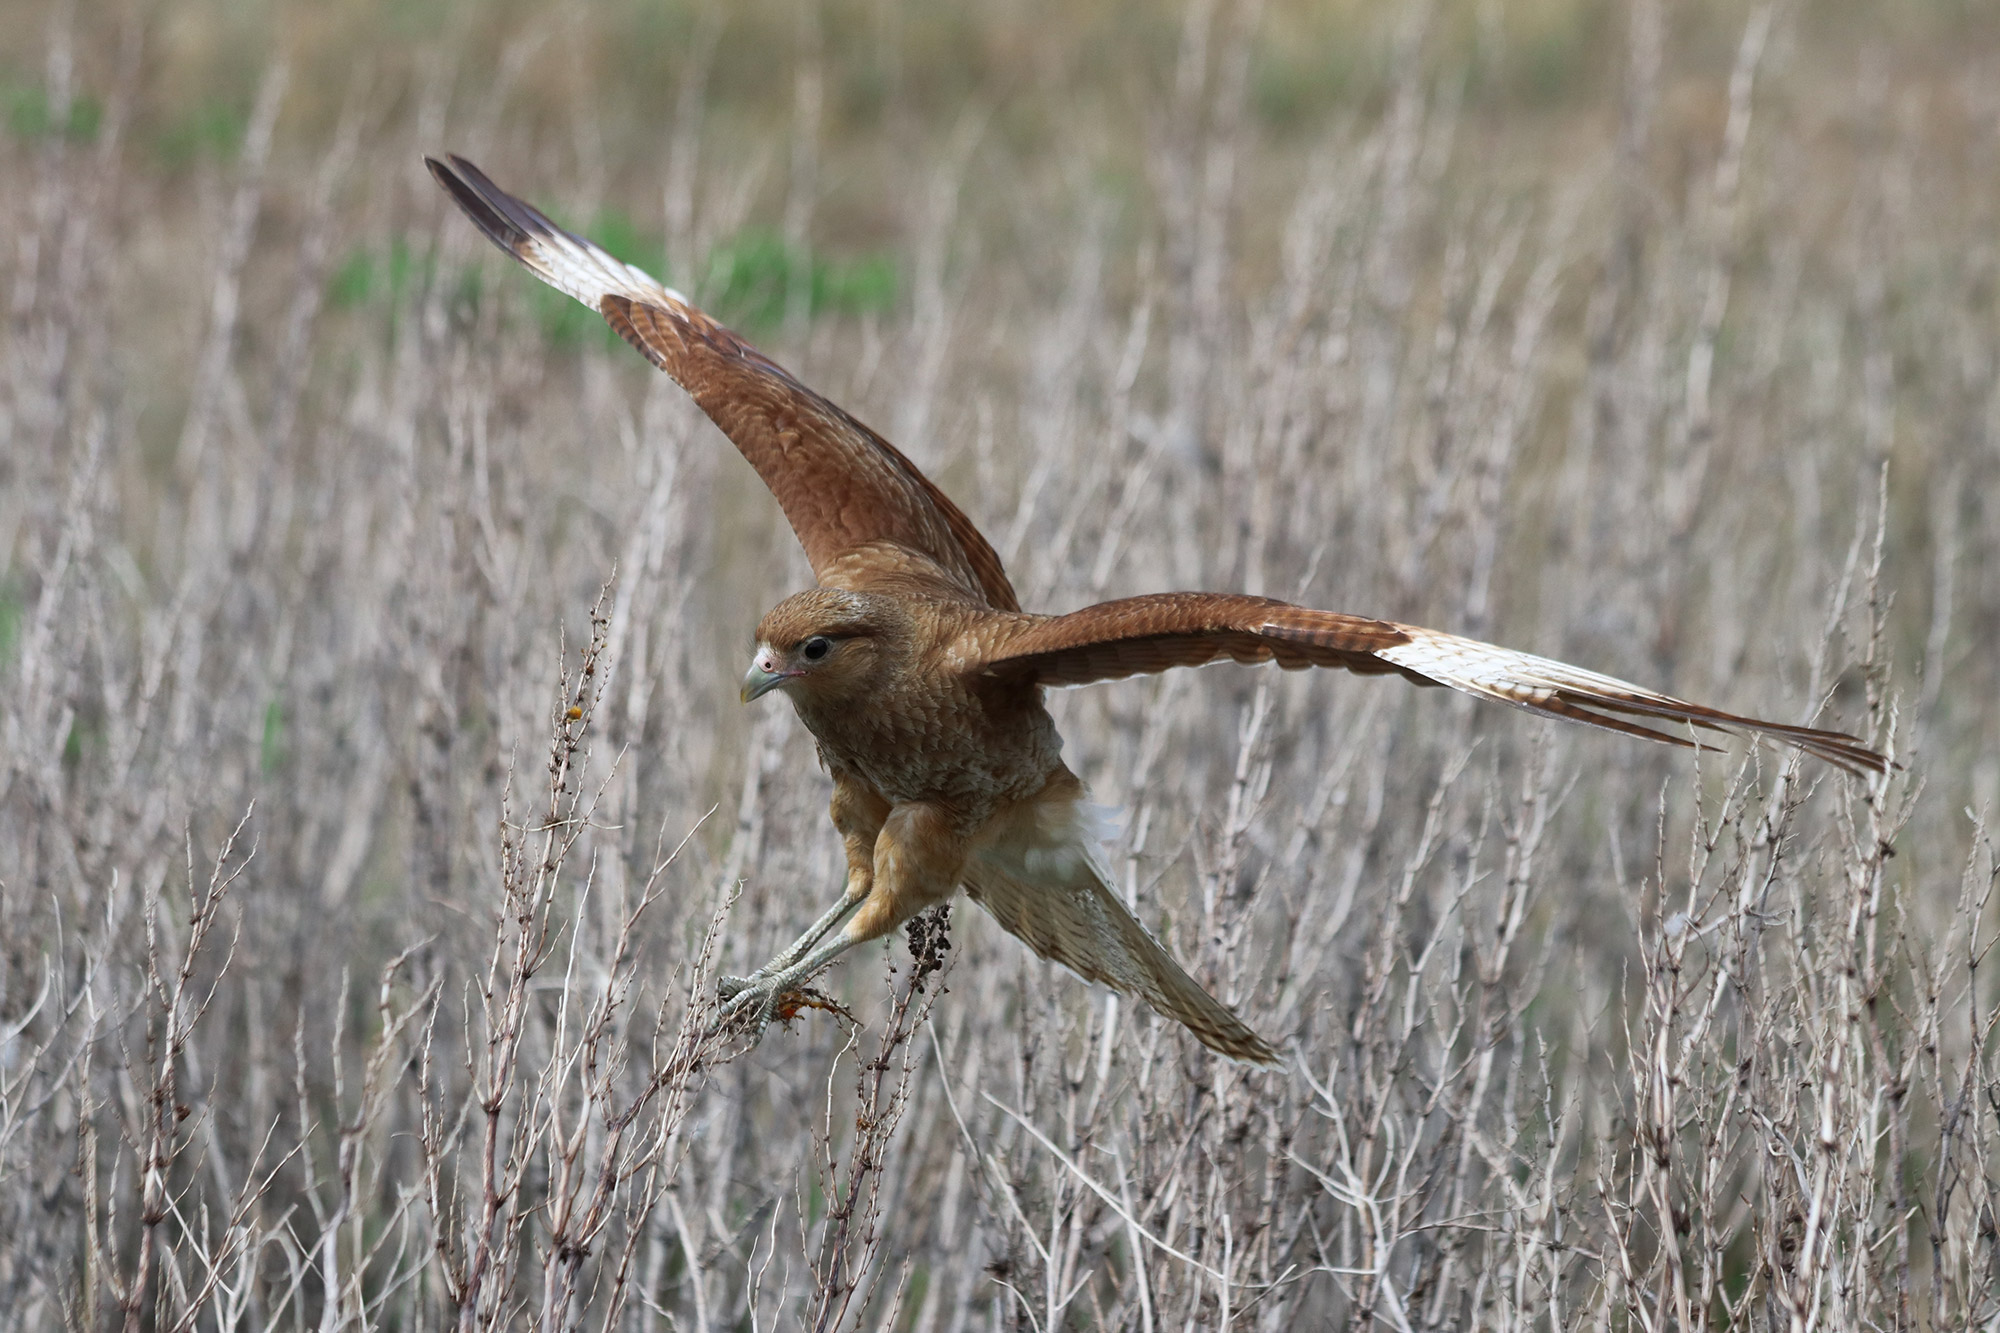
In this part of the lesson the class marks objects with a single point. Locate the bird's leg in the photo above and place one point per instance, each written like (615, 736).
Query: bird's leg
(858, 813)
(730, 987)
(919, 858)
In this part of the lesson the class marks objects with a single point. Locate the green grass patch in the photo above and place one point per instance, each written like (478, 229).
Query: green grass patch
(1290, 88)
(213, 130)
(87, 738)
(367, 277)
(271, 746)
(752, 278)
(11, 608)
(31, 116)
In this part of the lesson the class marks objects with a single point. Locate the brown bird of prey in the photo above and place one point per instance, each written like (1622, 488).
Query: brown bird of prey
(917, 671)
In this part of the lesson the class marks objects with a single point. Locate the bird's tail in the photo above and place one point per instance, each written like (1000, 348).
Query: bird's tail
(1075, 919)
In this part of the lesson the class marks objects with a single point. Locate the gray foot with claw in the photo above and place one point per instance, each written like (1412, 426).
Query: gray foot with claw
(777, 992)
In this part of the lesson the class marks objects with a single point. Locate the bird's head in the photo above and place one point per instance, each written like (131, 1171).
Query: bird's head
(822, 646)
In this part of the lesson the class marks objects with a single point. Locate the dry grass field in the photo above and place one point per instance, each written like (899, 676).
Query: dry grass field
(376, 811)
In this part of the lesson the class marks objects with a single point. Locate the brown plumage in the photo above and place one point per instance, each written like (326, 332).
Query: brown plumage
(920, 677)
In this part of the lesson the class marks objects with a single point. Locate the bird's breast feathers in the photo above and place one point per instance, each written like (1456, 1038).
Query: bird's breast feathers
(938, 750)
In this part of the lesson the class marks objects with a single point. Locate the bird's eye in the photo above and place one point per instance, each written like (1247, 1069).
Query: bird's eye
(816, 648)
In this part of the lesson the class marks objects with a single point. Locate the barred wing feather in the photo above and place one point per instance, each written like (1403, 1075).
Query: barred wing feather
(1156, 633)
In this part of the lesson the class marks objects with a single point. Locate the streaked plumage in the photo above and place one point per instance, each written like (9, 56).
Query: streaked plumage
(920, 677)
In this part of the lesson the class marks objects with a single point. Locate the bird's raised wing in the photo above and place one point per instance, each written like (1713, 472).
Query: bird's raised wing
(858, 506)
(1146, 634)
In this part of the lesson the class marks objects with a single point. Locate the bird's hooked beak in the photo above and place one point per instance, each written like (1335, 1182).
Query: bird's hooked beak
(763, 676)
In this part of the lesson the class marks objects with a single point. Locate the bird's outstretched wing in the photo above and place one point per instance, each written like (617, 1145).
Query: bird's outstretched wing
(858, 505)
(1147, 634)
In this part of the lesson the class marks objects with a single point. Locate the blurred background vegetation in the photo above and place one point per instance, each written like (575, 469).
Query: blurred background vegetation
(1051, 86)
(1062, 119)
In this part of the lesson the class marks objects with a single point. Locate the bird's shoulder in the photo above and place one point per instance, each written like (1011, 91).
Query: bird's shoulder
(890, 569)
(976, 635)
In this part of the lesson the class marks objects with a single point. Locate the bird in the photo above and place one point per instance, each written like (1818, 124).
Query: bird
(922, 680)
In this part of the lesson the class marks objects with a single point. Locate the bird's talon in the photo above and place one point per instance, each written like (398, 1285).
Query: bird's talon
(740, 1001)
(752, 1004)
